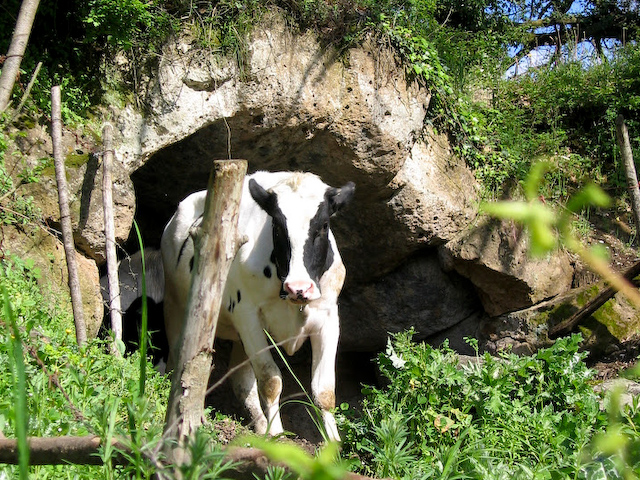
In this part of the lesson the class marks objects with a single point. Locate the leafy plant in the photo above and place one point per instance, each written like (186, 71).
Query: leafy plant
(326, 465)
(69, 390)
(530, 416)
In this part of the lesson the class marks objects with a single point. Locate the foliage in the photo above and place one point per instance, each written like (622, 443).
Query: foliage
(324, 466)
(498, 417)
(126, 24)
(562, 113)
(70, 391)
(16, 209)
(550, 228)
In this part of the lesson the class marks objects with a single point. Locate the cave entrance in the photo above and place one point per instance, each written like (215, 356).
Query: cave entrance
(184, 167)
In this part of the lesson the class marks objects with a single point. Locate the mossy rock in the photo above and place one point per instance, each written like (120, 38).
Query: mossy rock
(615, 322)
(525, 331)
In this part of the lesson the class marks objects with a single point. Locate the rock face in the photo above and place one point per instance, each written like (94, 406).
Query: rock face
(414, 256)
(493, 255)
(297, 106)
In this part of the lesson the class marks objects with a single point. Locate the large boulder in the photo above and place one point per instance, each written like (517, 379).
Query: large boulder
(415, 295)
(297, 105)
(494, 255)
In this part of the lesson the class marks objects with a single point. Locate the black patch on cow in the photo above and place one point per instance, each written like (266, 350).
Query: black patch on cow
(268, 201)
(182, 248)
(191, 264)
(316, 247)
(196, 223)
(317, 253)
(232, 305)
(267, 271)
(239, 296)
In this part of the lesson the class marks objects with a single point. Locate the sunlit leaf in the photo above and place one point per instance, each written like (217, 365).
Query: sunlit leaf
(591, 194)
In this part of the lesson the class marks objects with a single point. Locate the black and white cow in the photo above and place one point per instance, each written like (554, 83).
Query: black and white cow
(285, 279)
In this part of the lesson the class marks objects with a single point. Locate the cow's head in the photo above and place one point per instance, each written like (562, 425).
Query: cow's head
(300, 208)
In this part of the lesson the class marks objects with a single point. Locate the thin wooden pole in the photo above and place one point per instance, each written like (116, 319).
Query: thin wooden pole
(216, 245)
(110, 236)
(16, 51)
(629, 168)
(65, 217)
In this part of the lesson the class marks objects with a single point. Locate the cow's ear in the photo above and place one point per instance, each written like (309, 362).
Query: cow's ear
(267, 200)
(339, 197)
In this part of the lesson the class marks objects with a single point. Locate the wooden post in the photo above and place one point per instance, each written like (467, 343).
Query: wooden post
(216, 244)
(629, 167)
(115, 309)
(65, 218)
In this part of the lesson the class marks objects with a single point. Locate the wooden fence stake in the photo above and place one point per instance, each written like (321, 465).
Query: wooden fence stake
(65, 217)
(216, 245)
(110, 237)
(629, 167)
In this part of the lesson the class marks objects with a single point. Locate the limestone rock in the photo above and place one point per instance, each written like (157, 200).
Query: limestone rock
(417, 294)
(47, 253)
(297, 106)
(494, 256)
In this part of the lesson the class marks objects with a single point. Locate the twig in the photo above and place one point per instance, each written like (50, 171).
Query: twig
(27, 91)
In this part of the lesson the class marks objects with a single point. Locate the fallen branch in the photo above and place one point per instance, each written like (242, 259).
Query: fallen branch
(55, 450)
(86, 451)
(592, 306)
(27, 92)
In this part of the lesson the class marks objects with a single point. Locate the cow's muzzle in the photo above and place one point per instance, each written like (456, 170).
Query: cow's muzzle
(300, 292)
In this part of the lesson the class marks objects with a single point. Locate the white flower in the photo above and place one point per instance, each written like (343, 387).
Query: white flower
(396, 361)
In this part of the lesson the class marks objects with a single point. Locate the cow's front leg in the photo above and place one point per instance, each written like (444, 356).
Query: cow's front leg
(267, 374)
(245, 387)
(324, 346)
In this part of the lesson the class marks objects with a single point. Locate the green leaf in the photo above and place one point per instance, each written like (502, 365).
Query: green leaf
(591, 194)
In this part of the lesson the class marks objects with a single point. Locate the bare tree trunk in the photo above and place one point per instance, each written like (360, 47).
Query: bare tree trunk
(216, 245)
(110, 236)
(18, 45)
(65, 217)
(629, 167)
